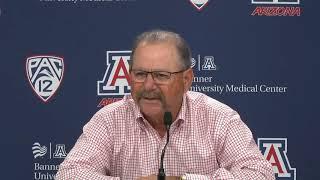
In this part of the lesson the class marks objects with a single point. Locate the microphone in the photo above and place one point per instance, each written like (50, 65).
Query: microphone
(167, 118)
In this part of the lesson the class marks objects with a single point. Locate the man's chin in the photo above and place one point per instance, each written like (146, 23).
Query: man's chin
(151, 108)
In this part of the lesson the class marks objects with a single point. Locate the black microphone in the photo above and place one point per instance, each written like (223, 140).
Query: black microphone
(167, 118)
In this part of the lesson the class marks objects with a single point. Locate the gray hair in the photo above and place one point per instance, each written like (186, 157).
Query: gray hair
(154, 36)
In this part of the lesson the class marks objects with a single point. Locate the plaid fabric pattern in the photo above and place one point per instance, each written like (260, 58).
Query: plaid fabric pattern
(208, 140)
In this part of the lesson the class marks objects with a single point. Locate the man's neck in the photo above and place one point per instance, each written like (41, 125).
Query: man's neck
(157, 123)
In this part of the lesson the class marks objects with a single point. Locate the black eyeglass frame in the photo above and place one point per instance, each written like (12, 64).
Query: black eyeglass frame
(153, 74)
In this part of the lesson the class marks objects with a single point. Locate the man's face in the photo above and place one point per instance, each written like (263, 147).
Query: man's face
(152, 98)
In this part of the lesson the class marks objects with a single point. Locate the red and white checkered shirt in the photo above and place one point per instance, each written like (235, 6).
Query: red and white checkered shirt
(208, 140)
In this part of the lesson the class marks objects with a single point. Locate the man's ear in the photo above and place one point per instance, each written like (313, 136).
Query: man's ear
(187, 79)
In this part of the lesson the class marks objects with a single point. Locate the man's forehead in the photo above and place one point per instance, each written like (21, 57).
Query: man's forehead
(156, 56)
(163, 45)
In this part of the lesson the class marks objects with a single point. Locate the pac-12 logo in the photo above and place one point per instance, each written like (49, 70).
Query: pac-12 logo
(44, 74)
(275, 151)
(115, 81)
(199, 4)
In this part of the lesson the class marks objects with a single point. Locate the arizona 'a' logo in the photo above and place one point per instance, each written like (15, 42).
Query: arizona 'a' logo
(60, 151)
(199, 4)
(116, 78)
(275, 151)
(44, 74)
(209, 63)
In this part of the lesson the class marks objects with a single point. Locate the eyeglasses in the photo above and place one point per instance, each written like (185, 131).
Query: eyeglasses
(159, 77)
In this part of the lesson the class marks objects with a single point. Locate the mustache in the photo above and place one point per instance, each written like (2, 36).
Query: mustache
(150, 95)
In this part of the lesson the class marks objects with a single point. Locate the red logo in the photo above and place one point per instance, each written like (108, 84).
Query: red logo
(115, 82)
(276, 8)
(275, 151)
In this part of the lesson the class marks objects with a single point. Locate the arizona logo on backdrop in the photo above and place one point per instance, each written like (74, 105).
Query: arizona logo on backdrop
(199, 4)
(47, 159)
(276, 8)
(45, 74)
(275, 151)
(115, 81)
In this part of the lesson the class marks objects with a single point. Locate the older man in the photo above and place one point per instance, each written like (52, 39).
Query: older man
(124, 140)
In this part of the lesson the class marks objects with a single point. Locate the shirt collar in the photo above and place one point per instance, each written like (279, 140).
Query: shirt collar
(181, 118)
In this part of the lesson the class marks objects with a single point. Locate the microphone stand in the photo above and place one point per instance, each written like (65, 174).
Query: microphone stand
(167, 121)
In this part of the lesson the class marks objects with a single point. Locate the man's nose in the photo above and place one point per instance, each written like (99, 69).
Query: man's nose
(149, 82)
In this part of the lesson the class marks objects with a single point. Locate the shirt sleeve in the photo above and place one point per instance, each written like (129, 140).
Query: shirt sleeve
(89, 158)
(239, 157)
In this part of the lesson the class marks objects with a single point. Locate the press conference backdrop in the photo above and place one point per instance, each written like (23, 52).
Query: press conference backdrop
(62, 60)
